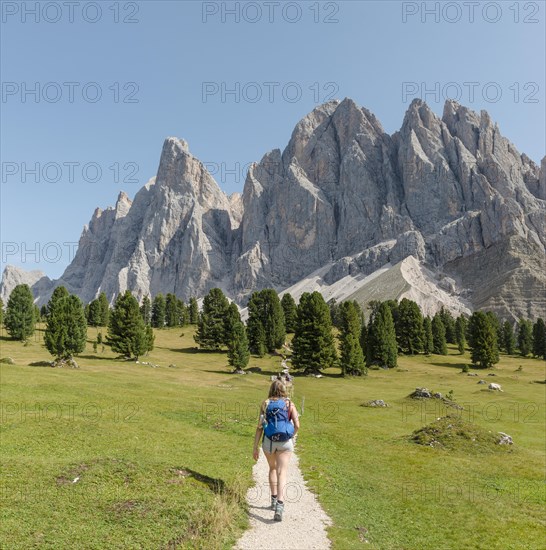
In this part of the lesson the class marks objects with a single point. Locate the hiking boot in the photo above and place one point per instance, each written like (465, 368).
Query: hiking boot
(273, 503)
(279, 509)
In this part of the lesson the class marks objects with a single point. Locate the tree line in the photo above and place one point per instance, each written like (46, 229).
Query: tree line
(325, 334)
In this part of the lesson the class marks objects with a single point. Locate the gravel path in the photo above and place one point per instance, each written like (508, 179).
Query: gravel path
(304, 521)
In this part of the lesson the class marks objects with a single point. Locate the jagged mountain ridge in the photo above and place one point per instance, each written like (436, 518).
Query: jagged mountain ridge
(451, 192)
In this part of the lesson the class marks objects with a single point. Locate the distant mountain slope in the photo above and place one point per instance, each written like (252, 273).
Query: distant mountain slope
(452, 192)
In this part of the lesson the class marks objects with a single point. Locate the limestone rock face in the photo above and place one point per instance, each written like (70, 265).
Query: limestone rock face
(344, 199)
(13, 276)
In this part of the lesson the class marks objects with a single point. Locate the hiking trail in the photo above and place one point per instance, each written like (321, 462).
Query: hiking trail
(304, 522)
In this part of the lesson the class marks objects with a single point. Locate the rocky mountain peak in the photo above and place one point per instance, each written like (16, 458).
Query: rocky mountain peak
(344, 199)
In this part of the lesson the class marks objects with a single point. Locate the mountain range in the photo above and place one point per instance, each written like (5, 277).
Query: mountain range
(445, 211)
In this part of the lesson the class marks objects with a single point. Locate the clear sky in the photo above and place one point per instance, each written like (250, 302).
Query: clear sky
(91, 89)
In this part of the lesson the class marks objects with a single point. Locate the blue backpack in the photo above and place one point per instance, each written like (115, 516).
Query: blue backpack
(278, 426)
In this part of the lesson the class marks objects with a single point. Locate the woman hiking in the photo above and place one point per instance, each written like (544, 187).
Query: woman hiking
(279, 423)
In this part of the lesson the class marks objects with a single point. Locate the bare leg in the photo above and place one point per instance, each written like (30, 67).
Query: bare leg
(283, 459)
(272, 461)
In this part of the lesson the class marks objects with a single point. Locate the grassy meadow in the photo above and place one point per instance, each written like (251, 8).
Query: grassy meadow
(123, 455)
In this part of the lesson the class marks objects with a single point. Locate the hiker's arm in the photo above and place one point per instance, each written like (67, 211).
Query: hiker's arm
(295, 418)
(258, 435)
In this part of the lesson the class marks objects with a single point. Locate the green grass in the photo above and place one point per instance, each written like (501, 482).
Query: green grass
(163, 455)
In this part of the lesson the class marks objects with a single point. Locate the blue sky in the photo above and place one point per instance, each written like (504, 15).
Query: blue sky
(165, 68)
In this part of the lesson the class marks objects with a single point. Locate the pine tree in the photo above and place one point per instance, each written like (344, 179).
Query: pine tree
(238, 352)
(158, 311)
(19, 321)
(193, 311)
(94, 314)
(313, 342)
(497, 326)
(66, 330)
(183, 313)
(43, 312)
(146, 310)
(382, 347)
(539, 338)
(211, 327)
(127, 332)
(104, 309)
(363, 339)
(508, 338)
(256, 337)
(149, 339)
(172, 318)
(290, 311)
(231, 319)
(58, 293)
(265, 308)
(1, 312)
(334, 312)
(352, 358)
(525, 337)
(484, 350)
(449, 324)
(438, 336)
(428, 340)
(37, 317)
(409, 327)
(460, 333)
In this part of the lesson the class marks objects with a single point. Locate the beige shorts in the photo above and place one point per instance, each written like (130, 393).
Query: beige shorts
(269, 446)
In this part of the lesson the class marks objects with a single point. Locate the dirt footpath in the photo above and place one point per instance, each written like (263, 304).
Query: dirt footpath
(304, 521)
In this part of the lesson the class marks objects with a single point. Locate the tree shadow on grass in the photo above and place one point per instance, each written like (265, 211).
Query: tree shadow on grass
(453, 365)
(101, 358)
(40, 364)
(195, 349)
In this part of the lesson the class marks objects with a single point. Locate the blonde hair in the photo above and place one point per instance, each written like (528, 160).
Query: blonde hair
(277, 389)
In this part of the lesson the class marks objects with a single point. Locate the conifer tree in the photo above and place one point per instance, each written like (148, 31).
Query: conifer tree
(66, 330)
(508, 338)
(313, 343)
(256, 337)
(438, 336)
(290, 311)
(183, 313)
(497, 326)
(231, 319)
(238, 352)
(449, 325)
(19, 321)
(539, 338)
(104, 309)
(127, 333)
(352, 358)
(265, 308)
(94, 314)
(172, 318)
(1, 312)
(149, 338)
(484, 351)
(409, 327)
(158, 311)
(146, 310)
(58, 293)
(193, 311)
(363, 339)
(211, 327)
(382, 347)
(525, 337)
(428, 339)
(460, 333)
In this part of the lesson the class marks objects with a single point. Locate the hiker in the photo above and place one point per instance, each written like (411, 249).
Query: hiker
(279, 423)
